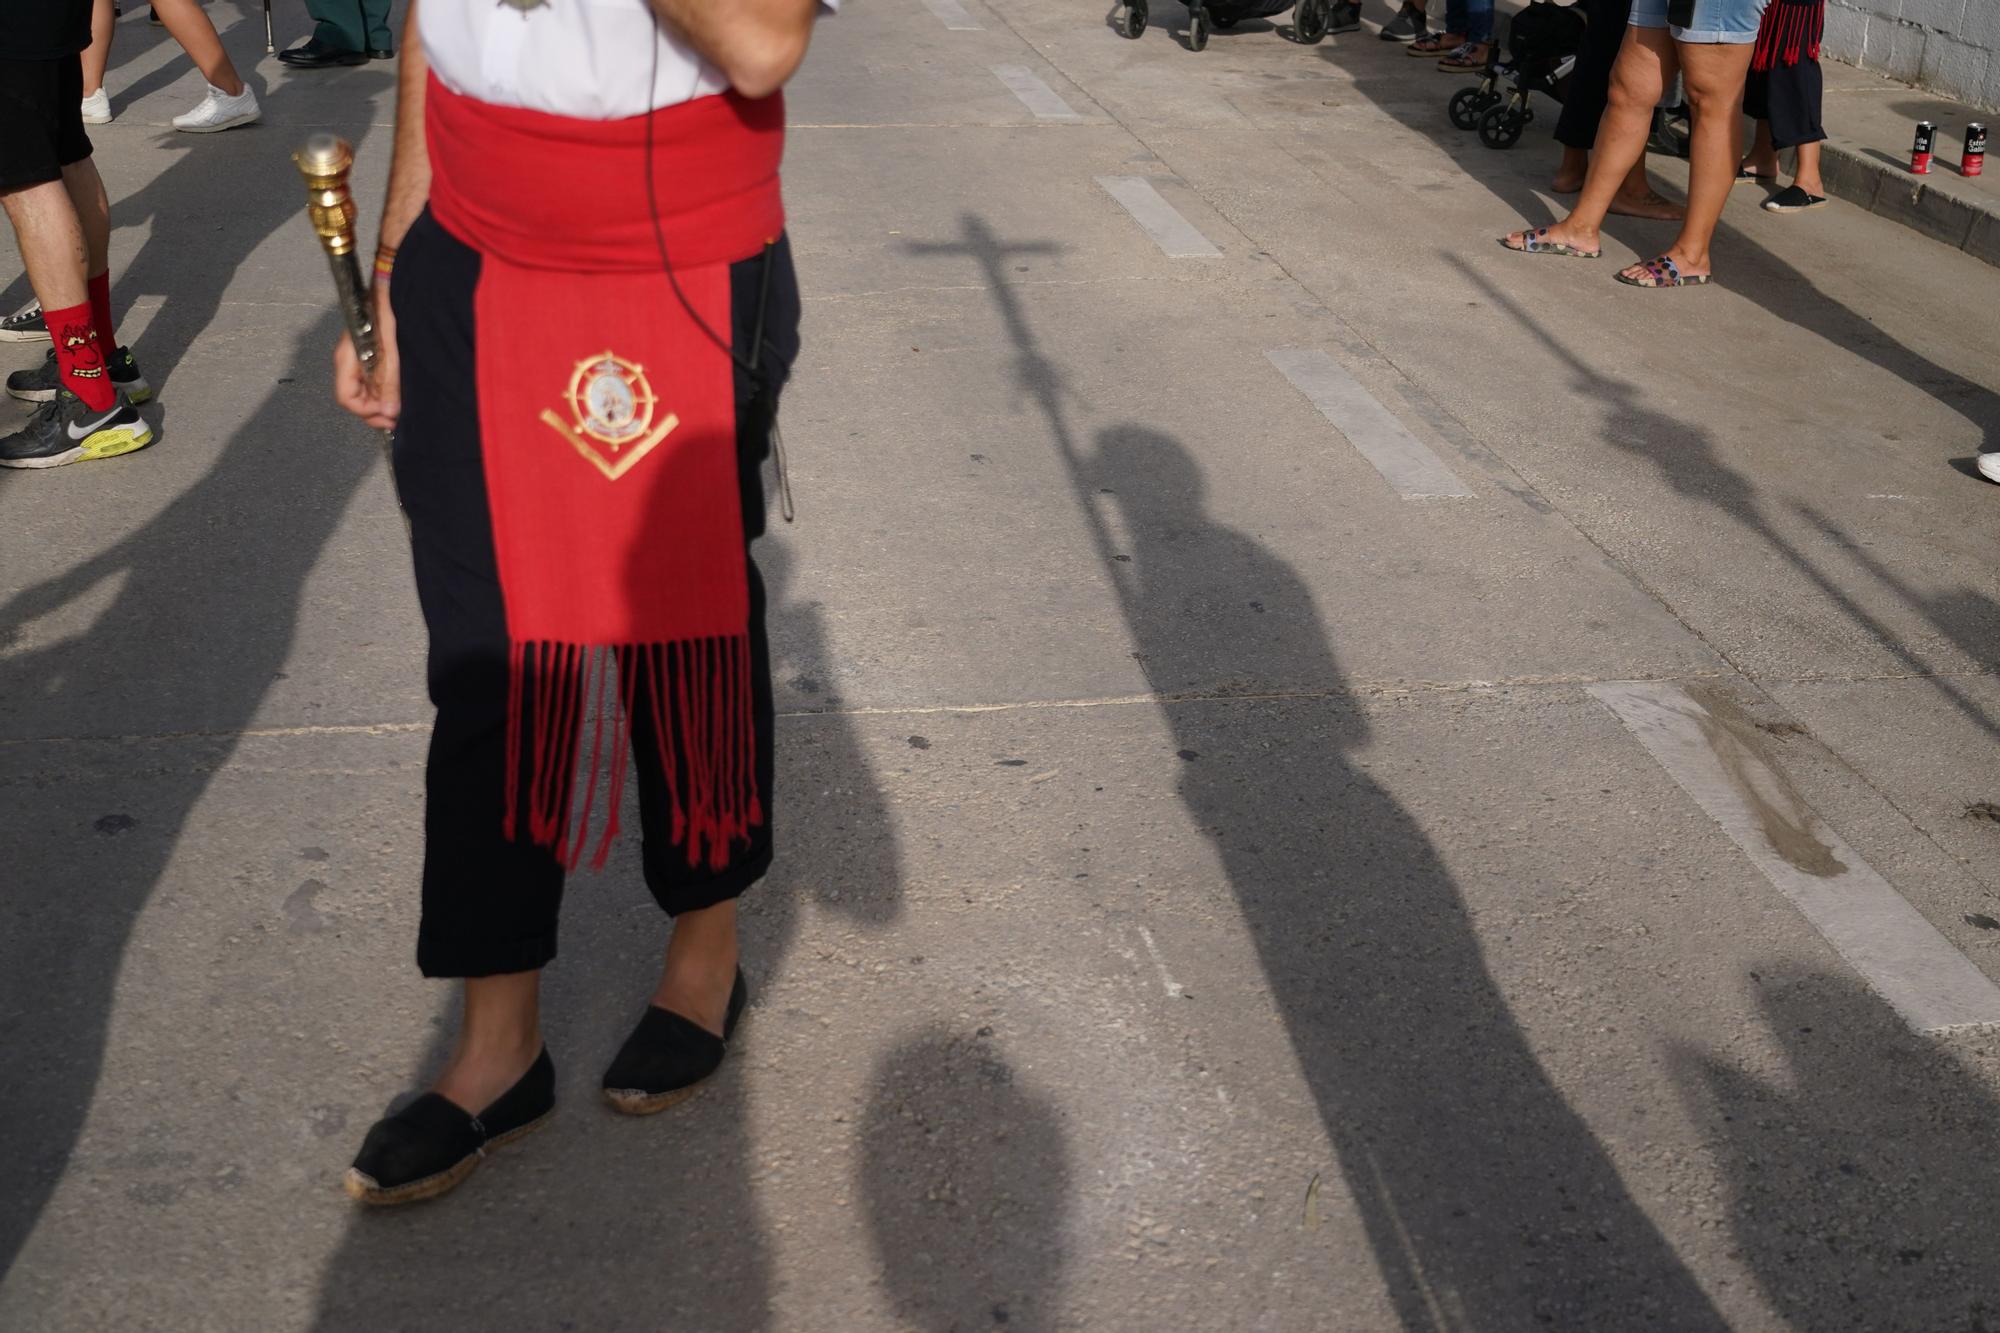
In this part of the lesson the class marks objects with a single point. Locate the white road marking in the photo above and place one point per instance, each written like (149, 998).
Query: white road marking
(952, 14)
(1404, 461)
(1173, 987)
(1908, 962)
(1035, 95)
(1174, 234)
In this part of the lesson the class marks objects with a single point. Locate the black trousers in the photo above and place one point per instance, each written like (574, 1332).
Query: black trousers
(490, 905)
(41, 119)
(1590, 82)
(1788, 96)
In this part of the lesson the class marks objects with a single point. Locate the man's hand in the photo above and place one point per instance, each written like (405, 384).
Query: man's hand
(376, 397)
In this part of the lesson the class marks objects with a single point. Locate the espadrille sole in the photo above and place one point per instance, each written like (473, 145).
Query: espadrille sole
(630, 1101)
(363, 1189)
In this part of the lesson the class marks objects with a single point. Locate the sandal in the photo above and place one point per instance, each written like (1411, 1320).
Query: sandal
(1661, 272)
(1430, 44)
(1469, 55)
(1744, 176)
(431, 1145)
(667, 1056)
(1533, 244)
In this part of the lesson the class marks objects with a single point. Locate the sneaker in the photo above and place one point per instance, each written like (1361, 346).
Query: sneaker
(97, 108)
(25, 325)
(1345, 16)
(40, 384)
(220, 111)
(65, 431)
(1989, 466)
(1409, 24)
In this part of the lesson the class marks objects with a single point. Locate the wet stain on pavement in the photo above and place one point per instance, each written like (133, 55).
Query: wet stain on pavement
(302, 916)
(1782, 814)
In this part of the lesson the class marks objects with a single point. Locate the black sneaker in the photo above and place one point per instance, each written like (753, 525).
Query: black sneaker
(25, 325)
(1344, 16)
(65, 431)
(1409, 24)
(40, 384)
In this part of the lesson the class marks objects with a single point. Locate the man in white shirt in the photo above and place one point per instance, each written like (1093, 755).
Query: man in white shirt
(594, 311)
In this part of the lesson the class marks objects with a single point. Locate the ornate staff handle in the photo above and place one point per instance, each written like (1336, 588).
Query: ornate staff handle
(326, 162)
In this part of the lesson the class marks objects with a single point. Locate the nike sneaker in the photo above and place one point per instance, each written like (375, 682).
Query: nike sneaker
(65, 431)
(40, 384)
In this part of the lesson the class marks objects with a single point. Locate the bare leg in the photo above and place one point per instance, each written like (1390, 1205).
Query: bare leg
(701, 966)
(98, 54)
(1714, 75)
(499, 1036)
(1575, 166)
(1763, 158)
(1637, 198)
(1805, 171)
(51, 240)
(1646, 63)
(190, 27)
(93, 213)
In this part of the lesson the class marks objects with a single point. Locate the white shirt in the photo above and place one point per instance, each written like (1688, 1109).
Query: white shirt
(591, 59)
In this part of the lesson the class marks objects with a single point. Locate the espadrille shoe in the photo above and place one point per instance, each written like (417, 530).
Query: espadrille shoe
(432, 1144)
(667, 1056)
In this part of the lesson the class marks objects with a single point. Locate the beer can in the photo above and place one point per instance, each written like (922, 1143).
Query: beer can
(1974, 161)
(1926, 145)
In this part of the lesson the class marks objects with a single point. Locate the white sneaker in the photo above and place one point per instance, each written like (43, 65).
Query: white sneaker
(1989, 466)
(97, 108)
(220, 111)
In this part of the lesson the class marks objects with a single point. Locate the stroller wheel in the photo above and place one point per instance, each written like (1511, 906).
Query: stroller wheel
(1197, 28)
(1135, 18)
(1467, 105)
(1310, 20)
(1501, 126)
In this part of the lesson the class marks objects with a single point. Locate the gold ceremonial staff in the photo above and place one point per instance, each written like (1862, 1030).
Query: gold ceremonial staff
(326, 162)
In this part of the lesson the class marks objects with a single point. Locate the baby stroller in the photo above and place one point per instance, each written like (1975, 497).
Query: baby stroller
(1204, 16)
(1542, 44)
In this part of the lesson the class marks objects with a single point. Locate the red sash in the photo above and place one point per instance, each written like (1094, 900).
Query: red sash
(608, 426)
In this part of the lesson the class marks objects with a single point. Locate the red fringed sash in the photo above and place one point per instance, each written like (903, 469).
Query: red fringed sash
(608, 425)
(1791, 32)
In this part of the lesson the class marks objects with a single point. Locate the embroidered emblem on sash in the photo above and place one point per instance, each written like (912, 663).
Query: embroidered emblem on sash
(611, 413)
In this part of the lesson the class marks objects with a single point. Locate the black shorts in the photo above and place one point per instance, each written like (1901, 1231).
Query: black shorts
(1789, 97)
(41, 120)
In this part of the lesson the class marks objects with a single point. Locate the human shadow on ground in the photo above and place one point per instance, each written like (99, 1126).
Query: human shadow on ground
(200, 624)
(634, 1223)
(1686, 459)
(1866, 1193)
(1487, 1200)
(966, 1176)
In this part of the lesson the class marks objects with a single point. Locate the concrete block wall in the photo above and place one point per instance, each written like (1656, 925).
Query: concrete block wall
(1949, 46)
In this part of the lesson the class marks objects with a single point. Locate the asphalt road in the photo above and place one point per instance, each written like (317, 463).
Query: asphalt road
(1332, 776)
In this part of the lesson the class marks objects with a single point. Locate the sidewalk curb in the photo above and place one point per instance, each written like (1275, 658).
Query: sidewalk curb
(1929, 205)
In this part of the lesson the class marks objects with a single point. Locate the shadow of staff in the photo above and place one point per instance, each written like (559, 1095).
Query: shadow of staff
(1487, 1200)
(649, 1223)
(1383, 77)
(1867, 1194)
(199, 626)
(966, 1175)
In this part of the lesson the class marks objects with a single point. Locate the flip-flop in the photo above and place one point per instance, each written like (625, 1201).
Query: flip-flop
(1533, 244)
(1793, 199)
(1430, 44)
(1662, 272)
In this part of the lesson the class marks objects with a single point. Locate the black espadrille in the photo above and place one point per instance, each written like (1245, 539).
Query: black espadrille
(432, 1144)
(667, 1056)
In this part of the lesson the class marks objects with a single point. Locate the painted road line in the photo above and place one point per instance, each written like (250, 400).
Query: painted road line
(1716, 754)
(1159, 219)
(1404, 461)
(1035, 95)
(952, 14)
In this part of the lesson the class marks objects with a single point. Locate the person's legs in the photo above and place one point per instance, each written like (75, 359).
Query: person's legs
(1713, 72)
(102, 24)
(340, 24)
(93, 211)
(1762, 159)
(189, 26)
(375, 25)
(1645, 64)
(51, 241)
(1805, 171)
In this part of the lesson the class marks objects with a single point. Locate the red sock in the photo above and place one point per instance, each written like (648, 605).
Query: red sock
(100, 312)
(80, 356)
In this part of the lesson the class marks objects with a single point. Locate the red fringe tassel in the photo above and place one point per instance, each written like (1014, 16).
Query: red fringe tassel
(696, 695)
(1791, 32)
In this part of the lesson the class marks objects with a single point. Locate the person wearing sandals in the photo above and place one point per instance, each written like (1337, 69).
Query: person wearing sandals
(1783, 95)
(1467, 38)
(580, 356)
(1409, 23)
(1583, 112)
(1709, 44)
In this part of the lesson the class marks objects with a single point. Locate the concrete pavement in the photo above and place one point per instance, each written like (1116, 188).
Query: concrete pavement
(1211, 895)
